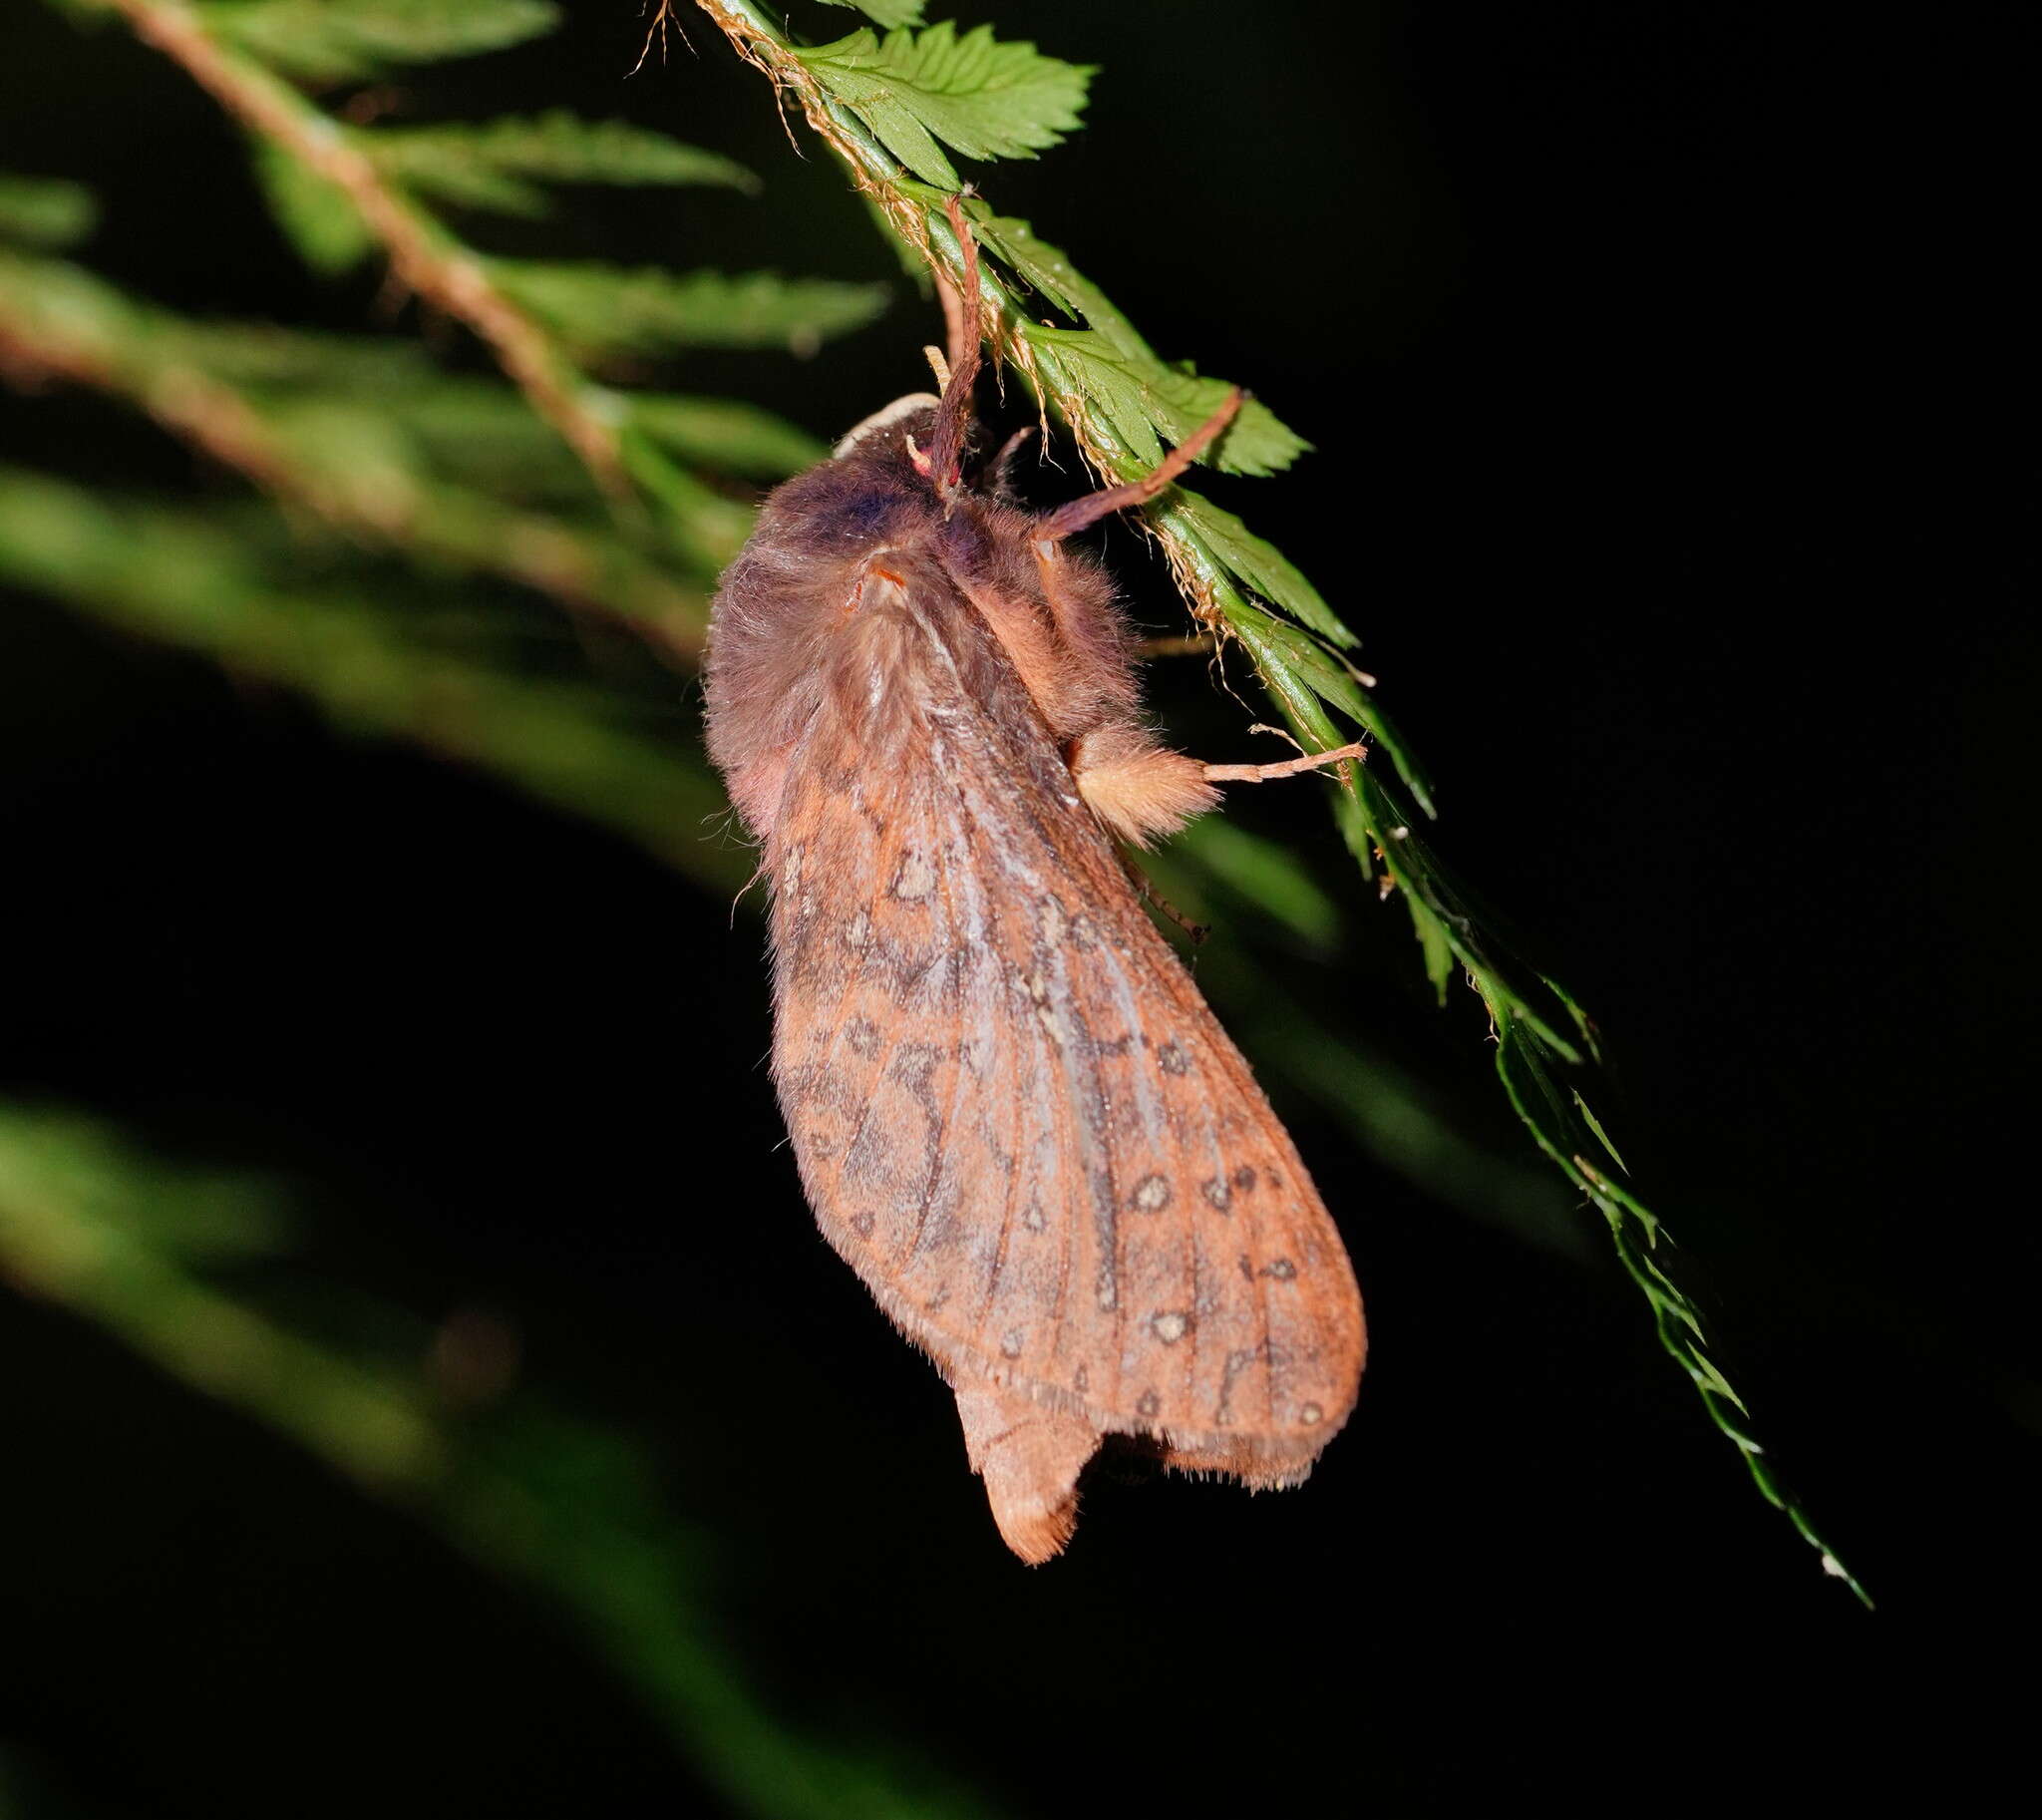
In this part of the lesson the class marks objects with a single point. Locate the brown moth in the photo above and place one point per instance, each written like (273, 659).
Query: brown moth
(1015, 1117)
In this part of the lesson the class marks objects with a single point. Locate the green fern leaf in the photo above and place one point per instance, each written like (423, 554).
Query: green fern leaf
(1049, 269)
(500, 164)
(1145, 400)
(316, 215)
(890, 13)
(726, 433)
(607, 310)
(271, 359)
(45, 213)
(1260, 564)
(333, 41)
(983, 98)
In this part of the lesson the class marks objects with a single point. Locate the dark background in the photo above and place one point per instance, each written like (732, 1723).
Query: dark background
(1671, 376)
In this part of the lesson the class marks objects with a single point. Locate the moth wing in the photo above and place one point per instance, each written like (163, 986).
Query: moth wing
(1014, 1114)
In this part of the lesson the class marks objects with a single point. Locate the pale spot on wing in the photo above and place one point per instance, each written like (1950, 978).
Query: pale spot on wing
(1050, 919)
(1311, 1415)
(1034, 1218)
(915, 879)
(1011, 1342)
(1280, 1267)
(1107, 1295)
(1152, 1194)
(1215, 1191)
(1053, 1019)
(1150, 1405)
(1170, 1327)
(1172, 1060)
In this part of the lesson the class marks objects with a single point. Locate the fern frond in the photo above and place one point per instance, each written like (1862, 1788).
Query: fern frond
(607, 310)
(335, 41)
(976, 94)
(890, 13)
(502, 164)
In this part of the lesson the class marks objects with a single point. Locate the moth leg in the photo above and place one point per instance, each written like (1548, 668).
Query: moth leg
(953, 412)
(1289, 767)
(1144, 888)
(1139, 789)
(1030, 1458)
(1075, 514)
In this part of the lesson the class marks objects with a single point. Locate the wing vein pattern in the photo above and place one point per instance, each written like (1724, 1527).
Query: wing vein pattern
(1014, 1115)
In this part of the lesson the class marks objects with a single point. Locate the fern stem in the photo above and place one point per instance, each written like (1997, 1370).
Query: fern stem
(421, 257)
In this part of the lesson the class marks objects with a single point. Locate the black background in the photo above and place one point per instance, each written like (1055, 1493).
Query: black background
(1670, 374)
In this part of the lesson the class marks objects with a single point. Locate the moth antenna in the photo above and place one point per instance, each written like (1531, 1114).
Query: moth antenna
(953, 413)
(1075, 514)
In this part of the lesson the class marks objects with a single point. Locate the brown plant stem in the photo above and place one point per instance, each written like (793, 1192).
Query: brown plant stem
(421, 258)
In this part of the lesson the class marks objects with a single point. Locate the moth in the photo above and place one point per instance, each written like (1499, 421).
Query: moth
(1014, 1115)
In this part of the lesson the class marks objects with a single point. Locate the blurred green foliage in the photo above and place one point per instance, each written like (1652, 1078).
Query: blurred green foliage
(147, 1250)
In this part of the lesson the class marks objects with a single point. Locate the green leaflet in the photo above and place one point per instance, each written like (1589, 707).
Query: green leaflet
(726, 433)
(264, 354)
(890, 13)
(44, 211)
(1145, 400)
(1256, 562)
(333, 41)
(197, 1216)
(1049, 269)
(1146, 403)
(606, 310)
(500, 165)
(315, 215)
(983, 98)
